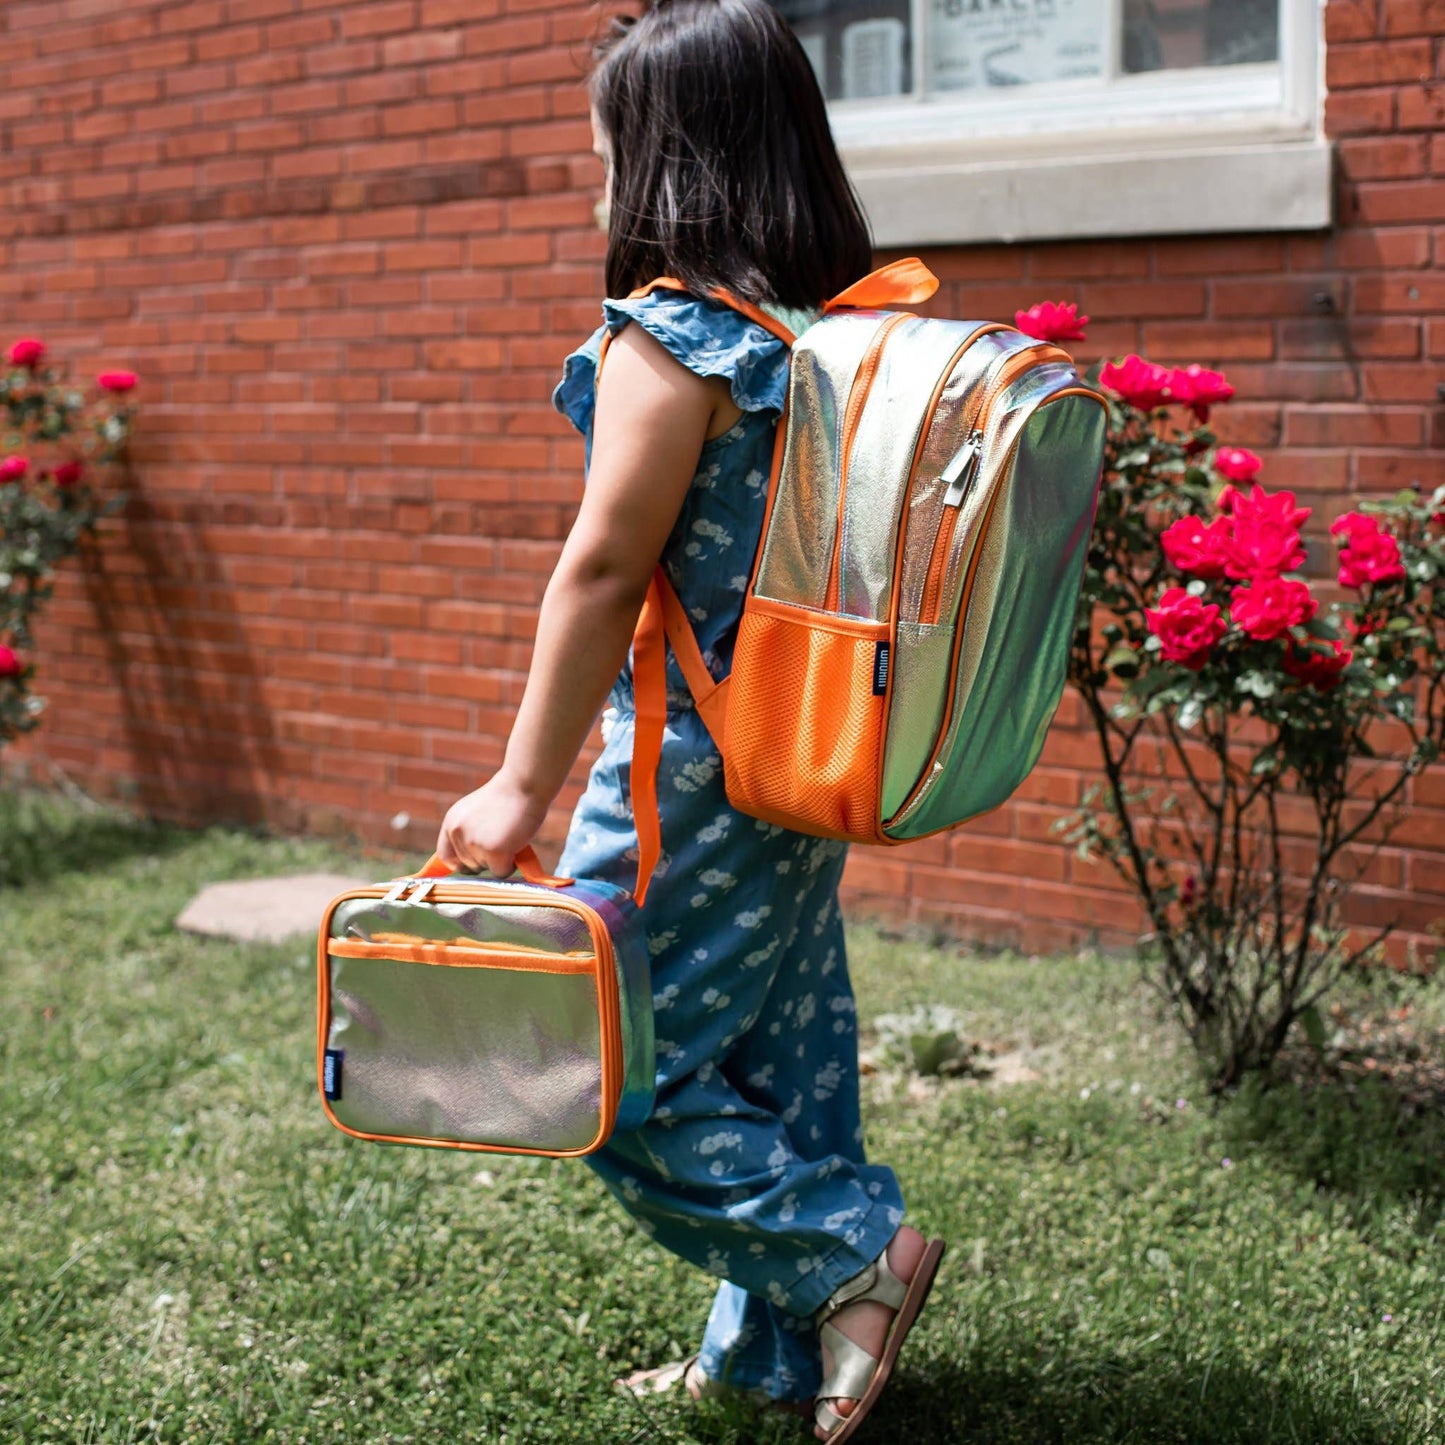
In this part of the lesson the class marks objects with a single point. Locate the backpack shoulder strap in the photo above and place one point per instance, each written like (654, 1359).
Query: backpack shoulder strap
(663, 616)
(754, 313)
(708, 693)
(649, 701)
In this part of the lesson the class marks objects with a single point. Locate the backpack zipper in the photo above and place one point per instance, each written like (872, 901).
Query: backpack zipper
(961, 473)
(857, 396)
(926, 776)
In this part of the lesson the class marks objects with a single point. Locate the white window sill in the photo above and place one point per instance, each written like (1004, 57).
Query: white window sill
(1275, 186)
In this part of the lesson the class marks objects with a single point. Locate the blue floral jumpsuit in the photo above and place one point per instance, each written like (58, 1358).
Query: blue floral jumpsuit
(752, 1163)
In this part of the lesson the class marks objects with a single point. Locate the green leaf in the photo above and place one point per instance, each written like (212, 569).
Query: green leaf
(1148, 683)
(1314, 1027)
(1265, 761)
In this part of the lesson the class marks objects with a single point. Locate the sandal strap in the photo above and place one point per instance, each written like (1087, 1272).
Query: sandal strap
(877, 1283)
(853, 1367)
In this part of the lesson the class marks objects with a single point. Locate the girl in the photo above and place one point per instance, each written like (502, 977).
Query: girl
(721, 172)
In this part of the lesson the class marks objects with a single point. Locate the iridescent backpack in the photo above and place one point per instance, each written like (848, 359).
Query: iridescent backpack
(905, 635)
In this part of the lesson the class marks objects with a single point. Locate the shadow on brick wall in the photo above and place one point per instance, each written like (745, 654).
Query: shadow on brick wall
(194, 704)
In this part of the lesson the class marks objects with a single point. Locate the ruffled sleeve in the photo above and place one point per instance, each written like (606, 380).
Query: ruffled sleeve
(707, 337)
(576, 394)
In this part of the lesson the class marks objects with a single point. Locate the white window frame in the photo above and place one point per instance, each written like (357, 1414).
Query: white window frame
(1219, 148)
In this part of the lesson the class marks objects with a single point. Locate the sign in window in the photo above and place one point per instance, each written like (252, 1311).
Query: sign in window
(976, 44)
(867, 49)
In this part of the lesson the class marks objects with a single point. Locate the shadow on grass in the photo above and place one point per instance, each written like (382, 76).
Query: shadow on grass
(1372, 1141)
(43, 836)
(1088, 1400)
(1091, 1401)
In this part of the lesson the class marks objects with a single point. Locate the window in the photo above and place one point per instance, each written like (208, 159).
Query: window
(967, 120)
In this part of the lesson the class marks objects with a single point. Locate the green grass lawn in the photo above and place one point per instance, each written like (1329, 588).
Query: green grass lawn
(189, 1252)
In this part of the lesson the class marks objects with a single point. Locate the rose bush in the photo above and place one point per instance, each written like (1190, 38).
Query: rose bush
(1224, 696)
(58, 447)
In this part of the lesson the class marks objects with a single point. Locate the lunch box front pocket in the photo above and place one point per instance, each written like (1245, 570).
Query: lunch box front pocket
(467, 1044)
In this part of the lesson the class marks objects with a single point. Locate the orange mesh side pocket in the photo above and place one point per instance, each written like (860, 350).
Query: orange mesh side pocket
(805, 719)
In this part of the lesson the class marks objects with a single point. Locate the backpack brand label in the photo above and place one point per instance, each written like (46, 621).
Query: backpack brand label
(331, 1073)
(880, 669)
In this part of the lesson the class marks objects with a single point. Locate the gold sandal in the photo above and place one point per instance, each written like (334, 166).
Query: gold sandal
(857, 1375)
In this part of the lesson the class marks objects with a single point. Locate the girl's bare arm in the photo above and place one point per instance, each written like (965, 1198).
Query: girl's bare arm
(653, 415)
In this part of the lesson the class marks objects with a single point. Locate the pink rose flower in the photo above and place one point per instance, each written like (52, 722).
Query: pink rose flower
(1139, 382)
(10, 665)
(67, 473)
(1265, 539)
(13, 468)
(1262, 549)
(118, 382)
(1196, 549)
(1270, 606)
(1367, 554)
(1187, 628)
(1261, 506)
(1199, 389)
(1316, 668)
(27, 352)
(1052, 321)
(1237, 464)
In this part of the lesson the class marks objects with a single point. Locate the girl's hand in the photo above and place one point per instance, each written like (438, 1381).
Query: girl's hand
(489, 827)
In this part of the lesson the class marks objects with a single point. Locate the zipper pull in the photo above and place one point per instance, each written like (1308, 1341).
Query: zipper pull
(958, 475)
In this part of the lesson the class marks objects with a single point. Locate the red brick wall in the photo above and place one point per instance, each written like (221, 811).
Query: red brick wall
(347, 246)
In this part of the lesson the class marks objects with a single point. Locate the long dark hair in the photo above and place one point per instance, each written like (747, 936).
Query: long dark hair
(724, 171)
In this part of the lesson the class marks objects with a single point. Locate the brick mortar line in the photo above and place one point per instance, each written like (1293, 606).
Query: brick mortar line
(494, 180)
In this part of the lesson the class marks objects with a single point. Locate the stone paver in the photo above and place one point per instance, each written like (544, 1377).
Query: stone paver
(265, 910)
